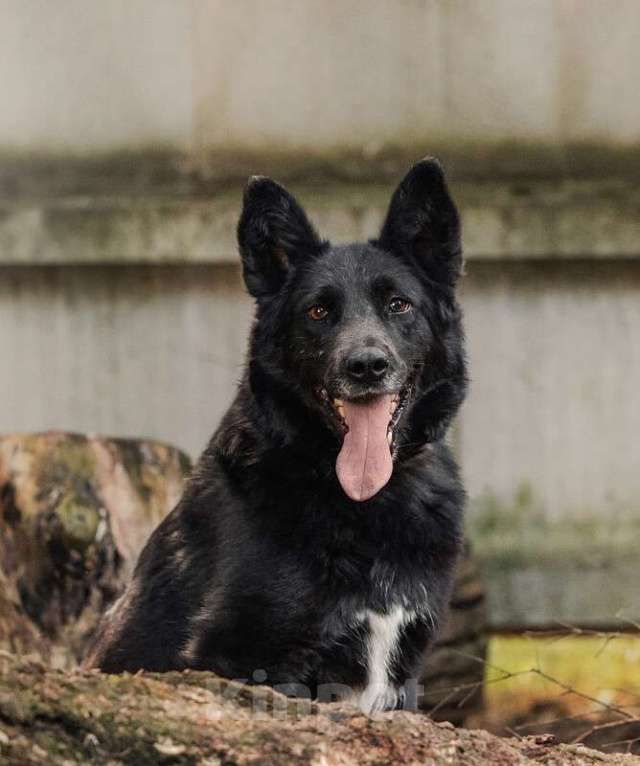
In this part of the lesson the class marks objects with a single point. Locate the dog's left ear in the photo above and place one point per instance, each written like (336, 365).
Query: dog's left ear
(273, 234)
(423, 225)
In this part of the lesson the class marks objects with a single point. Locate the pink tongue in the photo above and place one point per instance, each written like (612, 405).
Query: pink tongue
(364, 464)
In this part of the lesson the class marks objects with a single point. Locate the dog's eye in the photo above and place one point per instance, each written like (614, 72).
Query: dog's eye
(317, 313)
(399, 306)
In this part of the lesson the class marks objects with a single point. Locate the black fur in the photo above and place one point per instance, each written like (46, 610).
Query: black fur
(265, 563)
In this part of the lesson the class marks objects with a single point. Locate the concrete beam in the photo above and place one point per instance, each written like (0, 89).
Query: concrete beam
(505, 220)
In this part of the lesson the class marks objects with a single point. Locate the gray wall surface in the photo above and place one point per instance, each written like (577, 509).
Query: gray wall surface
(318, 74)
(128, 128)
(555, 366)
(134, 351)
(156, 351)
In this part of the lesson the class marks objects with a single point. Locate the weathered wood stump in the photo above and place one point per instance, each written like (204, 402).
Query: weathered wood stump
(454, 672)
(75, 512)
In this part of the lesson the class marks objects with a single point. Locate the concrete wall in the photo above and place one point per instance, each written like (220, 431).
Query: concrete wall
(80, 76)
(366, 72)
(156, 351)
(554, 408)
(210, 74)
(125, 130)
(548, 438)
(134, 351)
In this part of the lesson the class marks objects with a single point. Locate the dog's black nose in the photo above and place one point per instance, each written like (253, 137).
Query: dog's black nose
(367, 365)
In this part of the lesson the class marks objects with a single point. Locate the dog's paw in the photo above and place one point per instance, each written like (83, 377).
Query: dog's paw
(380, 698)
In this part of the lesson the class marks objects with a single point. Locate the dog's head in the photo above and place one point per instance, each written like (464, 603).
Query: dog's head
(365, 338)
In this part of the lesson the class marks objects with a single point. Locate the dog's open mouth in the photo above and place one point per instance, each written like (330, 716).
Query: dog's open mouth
(367, 426)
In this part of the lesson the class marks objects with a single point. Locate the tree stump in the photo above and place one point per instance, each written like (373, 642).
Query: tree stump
(75, 512)
(454, 671)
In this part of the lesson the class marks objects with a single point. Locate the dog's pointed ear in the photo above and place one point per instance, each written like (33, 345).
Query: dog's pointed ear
(273, 235)
(423, 225)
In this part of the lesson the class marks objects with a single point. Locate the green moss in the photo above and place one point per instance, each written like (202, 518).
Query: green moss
(79, 522)
(162, 170)
(490, 516)
(70, 459)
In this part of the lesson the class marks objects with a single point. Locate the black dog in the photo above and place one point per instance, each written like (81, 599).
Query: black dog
(315, 543)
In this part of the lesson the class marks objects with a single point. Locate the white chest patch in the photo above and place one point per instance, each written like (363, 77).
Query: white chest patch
(382, 644)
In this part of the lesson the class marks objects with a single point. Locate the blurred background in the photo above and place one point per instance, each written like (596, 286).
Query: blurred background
(127, 130)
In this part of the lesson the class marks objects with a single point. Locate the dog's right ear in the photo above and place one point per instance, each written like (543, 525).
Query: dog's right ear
(273, 234)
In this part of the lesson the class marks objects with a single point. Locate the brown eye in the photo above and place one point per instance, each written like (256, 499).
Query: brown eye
(399, 306)
(317, 313)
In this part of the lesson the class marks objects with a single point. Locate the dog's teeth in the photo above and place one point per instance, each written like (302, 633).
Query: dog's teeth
(389, 437)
